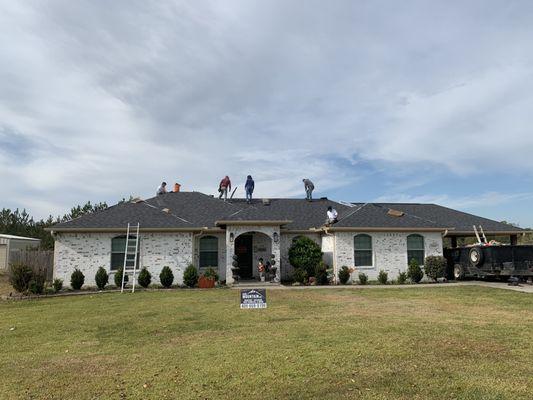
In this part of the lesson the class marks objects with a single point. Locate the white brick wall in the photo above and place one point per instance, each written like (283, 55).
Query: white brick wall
(389, 251)
(89, 251)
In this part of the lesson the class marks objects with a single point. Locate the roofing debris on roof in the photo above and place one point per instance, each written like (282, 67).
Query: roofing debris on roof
(395, 213)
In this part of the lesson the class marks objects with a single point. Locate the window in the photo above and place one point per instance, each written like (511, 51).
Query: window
(362, 245)
(208, 252)
(118, 246)
(415, 248)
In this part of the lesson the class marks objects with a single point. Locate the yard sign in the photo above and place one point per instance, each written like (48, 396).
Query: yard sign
(253, 298)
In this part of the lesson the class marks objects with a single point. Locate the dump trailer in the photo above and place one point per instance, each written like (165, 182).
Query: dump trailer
(483, 260)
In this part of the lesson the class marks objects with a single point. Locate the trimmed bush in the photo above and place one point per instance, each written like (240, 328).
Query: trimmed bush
(402, 278)
(383, 277)
(299, 275)
(435, 267)
(57, 285)
(144, 278)
(344, 275)
(363, 279)
(304, 253)
(77, 279)
(321, 274)
(166, 277)
(414, 272)
(101, 278)
(118, 278)
(20, 277)
(190, 276)
(37, 282)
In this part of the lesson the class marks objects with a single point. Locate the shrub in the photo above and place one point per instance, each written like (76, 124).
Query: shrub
(57, 284)
(414, 272)
(118, 278)
(383, 277)
(299, 275)
(37, 282)
(402, 278)
(144, 278)
(304, 253)
(363, 279)
(435, 267)
(190, 276)
(321, 274)
(101, 278)
(211, 273)
(344, 275)
(166, 277)
(20, 277)
(77, 279)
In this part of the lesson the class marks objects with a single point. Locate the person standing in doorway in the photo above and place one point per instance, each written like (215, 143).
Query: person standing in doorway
(249, 188)
(223, 187)
(309, 187)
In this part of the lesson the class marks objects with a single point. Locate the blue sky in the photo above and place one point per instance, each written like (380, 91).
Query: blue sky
(410, 101)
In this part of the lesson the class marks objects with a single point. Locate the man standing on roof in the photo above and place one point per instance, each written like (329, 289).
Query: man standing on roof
(249, 188)
(223, 187)
(162, 189)
(309, 187)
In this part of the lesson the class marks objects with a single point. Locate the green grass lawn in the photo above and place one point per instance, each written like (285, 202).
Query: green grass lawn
(436, 343)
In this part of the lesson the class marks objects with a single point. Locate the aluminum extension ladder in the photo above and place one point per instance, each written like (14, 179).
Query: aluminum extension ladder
(130, 256)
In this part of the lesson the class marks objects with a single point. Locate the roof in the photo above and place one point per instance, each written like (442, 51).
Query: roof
(191, 211)
(13, 237)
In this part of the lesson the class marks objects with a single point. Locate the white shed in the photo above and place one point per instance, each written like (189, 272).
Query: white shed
(10, 243)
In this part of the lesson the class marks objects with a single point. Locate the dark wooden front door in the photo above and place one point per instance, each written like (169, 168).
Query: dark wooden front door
(244, 252)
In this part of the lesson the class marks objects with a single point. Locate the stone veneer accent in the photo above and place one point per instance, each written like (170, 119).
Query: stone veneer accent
(389, 251)
(89, 251)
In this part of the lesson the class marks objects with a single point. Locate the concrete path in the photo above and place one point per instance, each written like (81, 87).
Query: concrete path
(526, 288)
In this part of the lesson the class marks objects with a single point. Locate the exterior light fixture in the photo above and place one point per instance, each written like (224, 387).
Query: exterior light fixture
(231, 237)
(276, 237)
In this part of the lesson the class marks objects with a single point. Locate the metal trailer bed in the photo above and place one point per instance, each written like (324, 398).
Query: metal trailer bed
(489, 261)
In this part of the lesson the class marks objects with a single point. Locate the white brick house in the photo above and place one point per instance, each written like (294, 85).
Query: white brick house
(178, 229)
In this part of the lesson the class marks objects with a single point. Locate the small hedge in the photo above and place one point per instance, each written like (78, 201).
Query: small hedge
(101, 278)
(435, 267)
(383, 277)
(77, 279)
(190, 276)
(363, 279)
(57, 285)
(166, 277)
(20, 277)
(144, 278)
(299, 275)
(321, 274)
(118, 278)
(402, 278)
(414, 272)
(37, 282)
(344, 275)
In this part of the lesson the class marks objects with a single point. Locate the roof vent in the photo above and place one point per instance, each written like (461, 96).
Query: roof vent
(266, 202)
(395, 213)
(323, 198)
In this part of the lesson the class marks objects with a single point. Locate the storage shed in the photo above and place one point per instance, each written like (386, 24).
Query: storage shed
(10, 243)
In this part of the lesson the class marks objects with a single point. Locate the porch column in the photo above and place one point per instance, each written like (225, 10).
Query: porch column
(276, 251)
(230, 251)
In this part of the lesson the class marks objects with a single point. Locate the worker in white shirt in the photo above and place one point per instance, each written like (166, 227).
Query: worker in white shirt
(332, 216)
(162, 189)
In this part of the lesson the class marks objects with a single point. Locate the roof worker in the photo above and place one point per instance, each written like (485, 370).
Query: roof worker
(162, 189)
(332, 216)
(309, 187)
(223, 187)
(249, 188)
(177, 187)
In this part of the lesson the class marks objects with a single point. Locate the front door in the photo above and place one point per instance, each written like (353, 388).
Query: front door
(244, 252)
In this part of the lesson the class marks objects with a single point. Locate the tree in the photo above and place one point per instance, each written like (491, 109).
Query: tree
(304, 253)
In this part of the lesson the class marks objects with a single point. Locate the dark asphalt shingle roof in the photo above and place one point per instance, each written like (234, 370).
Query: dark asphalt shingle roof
(197, 210)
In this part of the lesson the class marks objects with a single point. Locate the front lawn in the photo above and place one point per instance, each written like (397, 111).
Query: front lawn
(437, 343)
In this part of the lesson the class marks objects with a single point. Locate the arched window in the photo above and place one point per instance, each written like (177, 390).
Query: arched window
(415, 248)
(208, 252)
(362, 246)
(118, 247)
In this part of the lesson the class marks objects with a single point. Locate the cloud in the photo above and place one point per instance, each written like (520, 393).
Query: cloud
(103, 101)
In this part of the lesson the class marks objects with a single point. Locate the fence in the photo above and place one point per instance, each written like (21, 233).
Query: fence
(36, 259)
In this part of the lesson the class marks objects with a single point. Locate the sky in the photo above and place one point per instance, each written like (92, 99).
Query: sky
(411, 101)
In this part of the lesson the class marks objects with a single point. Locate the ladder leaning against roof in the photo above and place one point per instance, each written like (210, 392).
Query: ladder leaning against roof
(130, 256)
